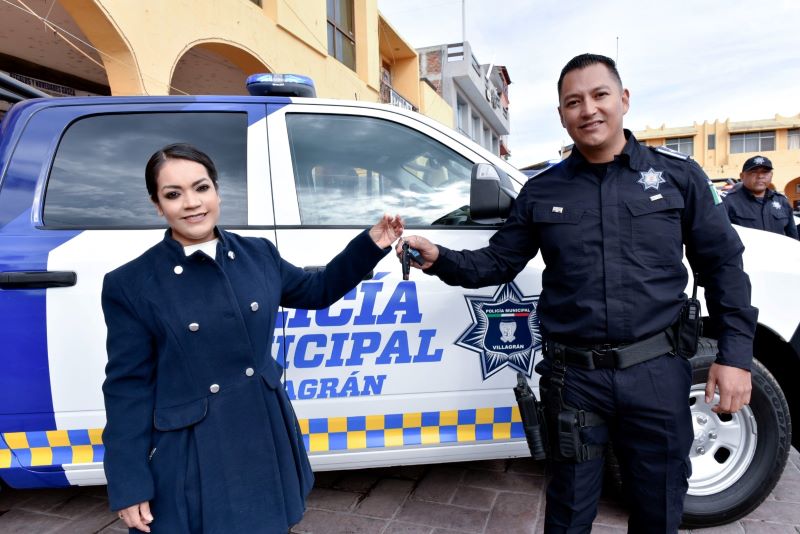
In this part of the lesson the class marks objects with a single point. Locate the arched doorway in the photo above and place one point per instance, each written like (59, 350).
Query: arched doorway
(212, 68)
(41, 44)
(792, 191)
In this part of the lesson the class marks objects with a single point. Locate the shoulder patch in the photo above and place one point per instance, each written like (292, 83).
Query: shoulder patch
(670, 152)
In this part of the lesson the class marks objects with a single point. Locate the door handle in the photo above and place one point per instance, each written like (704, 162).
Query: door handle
(37, 279)
(318, 268)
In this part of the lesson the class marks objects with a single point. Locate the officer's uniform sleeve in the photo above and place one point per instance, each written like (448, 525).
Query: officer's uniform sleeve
(714, 250)
(791, 228)
(129, 396)
(509, 250)
(316, 290)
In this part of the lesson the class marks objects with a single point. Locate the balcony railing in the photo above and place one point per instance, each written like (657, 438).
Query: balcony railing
(390, 96)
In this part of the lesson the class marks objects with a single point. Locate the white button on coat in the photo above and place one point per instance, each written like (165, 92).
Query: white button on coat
(214, 388)
(249, 371)
(231, 254)
(194, 327)
(254, 306)
(178, 269)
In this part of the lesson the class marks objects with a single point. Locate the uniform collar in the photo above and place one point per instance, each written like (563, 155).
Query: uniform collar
(632, 155)
(768, 194)
(176, 249)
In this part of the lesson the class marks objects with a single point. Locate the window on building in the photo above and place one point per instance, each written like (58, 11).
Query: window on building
(794, 139)
(712, 141)
(97, 178)
(752, 142)
(487, 138)
(341, 36)
(476, 129)
(684, 145)
(380, 166)
(462, 115)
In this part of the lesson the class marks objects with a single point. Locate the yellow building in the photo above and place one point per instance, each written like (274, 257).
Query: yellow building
(157, 47)
(721, 148)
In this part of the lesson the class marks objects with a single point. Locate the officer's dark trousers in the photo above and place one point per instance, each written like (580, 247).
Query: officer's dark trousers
(649, 423)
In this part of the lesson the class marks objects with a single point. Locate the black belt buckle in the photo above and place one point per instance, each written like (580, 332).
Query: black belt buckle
(603, 357)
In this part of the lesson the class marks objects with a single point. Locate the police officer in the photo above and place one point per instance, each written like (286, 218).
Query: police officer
(611, 221)
(755, 205)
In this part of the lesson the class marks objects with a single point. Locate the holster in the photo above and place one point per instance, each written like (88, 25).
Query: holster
(565, 423)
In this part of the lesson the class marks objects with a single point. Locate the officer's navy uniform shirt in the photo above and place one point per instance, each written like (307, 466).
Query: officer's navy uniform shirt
(613, 248)
(771, 213)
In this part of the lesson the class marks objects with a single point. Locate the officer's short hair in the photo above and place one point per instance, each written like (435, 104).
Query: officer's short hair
(175, 151)
(586, 60)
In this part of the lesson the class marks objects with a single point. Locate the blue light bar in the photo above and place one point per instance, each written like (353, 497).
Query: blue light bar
(268, 84)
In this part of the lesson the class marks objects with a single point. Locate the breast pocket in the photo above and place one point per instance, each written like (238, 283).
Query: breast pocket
(560, 235)
(656, 236)
(781, 217)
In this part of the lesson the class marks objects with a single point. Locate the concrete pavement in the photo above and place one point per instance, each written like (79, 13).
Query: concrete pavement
(496, 496)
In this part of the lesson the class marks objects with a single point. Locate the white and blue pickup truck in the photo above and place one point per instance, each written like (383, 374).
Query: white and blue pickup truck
(396, 372)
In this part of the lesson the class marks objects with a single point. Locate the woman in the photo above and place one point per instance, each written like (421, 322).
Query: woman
(200, 435)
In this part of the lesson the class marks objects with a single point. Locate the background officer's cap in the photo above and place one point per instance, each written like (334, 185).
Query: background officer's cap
(757, 161)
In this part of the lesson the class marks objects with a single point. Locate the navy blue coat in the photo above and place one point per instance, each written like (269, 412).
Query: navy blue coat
(773, 214)
(198, 421)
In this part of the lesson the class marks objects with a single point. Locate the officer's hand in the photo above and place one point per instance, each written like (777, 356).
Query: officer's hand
(137, 516)
(734, 388)
(429, 251)
(387, 230)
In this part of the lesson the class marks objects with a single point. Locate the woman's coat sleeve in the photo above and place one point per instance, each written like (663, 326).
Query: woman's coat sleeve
(314, 291)
(129, 399)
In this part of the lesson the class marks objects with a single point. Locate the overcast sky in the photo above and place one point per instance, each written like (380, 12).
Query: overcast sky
(683, 60)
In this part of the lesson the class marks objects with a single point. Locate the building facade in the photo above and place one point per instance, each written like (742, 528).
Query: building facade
(476, 93)
(721, 147)
(151, 47)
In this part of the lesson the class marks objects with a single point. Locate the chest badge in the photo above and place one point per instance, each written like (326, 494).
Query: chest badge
(776, 205)
(651, 179)
(504, 330)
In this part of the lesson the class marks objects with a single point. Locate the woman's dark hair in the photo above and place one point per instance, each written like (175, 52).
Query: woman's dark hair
(175, 151)
(587, 60)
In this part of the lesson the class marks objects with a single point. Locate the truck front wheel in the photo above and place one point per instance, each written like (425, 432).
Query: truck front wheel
(736, 458)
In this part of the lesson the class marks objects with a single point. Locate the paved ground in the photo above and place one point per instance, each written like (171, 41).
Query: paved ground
(499, 496)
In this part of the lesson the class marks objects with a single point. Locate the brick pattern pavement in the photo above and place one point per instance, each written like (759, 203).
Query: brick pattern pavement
(489, 497)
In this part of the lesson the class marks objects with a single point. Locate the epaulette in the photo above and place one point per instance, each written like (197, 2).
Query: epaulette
(670, 152)
(545, 170)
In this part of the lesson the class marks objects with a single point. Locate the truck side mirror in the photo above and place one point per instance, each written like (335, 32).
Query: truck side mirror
(490, 195)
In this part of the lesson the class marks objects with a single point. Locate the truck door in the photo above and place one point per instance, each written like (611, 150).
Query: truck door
(396, 371)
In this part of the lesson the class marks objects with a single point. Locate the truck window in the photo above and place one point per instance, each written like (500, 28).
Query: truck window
(349, 170)
(97, 177)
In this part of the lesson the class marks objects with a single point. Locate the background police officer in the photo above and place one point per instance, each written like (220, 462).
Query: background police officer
(755, 205)
(611, 221)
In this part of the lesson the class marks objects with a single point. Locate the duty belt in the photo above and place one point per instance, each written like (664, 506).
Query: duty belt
(611, 356)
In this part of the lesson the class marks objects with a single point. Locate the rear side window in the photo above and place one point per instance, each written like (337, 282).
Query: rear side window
(97, 178)
(349, 170)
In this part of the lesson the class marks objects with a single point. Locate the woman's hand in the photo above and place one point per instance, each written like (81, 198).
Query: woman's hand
(137, 516)
(387, 230)
(428, 251)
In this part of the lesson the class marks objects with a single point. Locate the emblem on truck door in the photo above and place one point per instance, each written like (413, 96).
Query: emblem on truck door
(504, 330)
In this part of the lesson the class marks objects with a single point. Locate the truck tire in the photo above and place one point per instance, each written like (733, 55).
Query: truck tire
(736, 458)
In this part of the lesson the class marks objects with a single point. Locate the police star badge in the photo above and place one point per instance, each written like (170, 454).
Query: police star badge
(651, 179)
(504, 331)
(776, 204)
